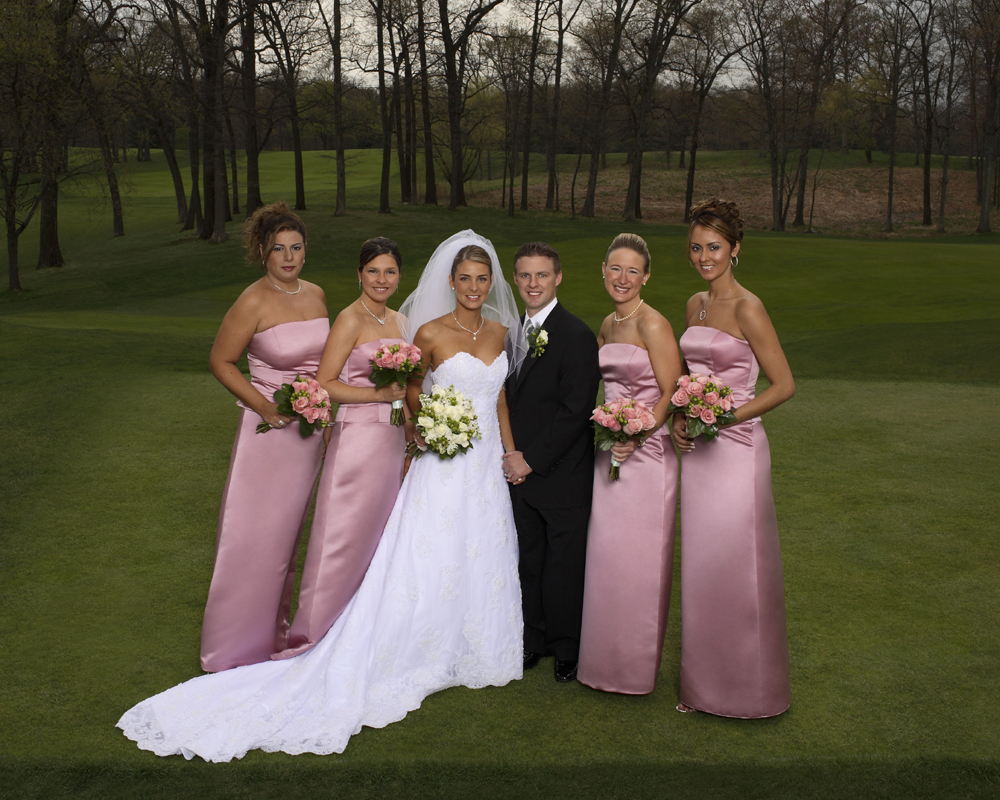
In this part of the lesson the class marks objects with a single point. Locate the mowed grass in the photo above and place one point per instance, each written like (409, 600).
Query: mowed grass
(116, 443)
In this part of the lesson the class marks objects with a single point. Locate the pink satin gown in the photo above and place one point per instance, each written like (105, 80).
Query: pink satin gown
(630, 545)
(361, 476)
(264, 507)
(734, 649)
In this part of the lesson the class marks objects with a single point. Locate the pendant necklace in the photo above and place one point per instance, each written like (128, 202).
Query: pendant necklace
(482, 321)
(379, 321)
(630, 313)
(705, 307)
(282, 290)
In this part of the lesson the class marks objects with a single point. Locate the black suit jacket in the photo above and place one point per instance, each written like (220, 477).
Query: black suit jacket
(550, 401)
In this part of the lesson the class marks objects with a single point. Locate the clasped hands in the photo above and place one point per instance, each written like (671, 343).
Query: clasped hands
(515, 468)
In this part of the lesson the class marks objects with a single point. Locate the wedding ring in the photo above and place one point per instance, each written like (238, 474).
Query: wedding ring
(281, 423)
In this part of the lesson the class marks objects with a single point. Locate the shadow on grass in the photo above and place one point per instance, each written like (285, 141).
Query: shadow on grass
(318, 777)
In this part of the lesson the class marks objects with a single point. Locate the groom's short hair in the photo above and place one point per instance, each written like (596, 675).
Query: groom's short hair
(538, 249)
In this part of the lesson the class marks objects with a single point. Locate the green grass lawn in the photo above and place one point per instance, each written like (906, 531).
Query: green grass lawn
(116, 442)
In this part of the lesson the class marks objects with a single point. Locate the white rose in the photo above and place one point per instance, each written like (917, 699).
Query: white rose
(543, 336)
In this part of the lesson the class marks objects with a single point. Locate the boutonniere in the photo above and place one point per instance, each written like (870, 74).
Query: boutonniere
(537, 340)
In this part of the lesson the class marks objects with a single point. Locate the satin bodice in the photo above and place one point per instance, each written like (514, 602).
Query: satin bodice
(627, 372)
(710, 351)
(288, 349)
(355, 372)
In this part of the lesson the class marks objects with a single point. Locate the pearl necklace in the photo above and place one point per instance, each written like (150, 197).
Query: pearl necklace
(482, 321)
(630, 313)
(283, 290)
(379, 321)
(705, 307)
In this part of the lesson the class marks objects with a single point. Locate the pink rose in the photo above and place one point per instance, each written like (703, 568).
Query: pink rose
(703, 379)
(315, 398)
(300, 386)
(324, 413)
(683, 381)
(680, 398)
(300, 404)
(708, 416)
(711, 398)
(614, 425)
(694, 411)
(614, 407)
(648, 420)
(398, 359)
(696, 389)
(415, 354)
(607, 420)
(311, 414)
(726, 403)
(630, 412)
(314, 385)
(634, 426)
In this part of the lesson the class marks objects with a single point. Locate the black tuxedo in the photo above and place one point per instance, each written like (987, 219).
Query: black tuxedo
(550, 400)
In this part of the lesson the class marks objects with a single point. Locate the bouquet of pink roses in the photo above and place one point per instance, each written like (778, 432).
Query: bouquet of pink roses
(707, 403)
(619, 421)
(304, 399)
(395, 362)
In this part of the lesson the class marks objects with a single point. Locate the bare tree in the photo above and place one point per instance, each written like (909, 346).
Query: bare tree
(564, 14)
(924, 14)
(982, 34)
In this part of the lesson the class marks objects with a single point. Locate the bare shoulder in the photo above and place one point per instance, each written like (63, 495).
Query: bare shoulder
(251, 302)
(313, 290)
(348, 321)
(652, 322)
(494, 329)
(749, 308)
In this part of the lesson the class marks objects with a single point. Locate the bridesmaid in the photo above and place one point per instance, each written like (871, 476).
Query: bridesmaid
(630, 544)
(734, 650)
(363, 466)
(281, 322)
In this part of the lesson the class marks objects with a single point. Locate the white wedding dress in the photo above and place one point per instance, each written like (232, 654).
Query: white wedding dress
(440, 606)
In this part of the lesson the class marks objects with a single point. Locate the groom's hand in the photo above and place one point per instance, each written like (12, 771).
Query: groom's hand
(515, 468)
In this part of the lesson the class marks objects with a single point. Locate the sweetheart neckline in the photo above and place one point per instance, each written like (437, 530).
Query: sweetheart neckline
(475, 358)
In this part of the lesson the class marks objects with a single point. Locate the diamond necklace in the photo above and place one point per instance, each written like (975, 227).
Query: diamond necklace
(482, 321)
(282, 290)
(704, 305)
(379, 321)
(630, 313)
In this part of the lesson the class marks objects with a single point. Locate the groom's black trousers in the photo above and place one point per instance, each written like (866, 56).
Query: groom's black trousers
(553, 552)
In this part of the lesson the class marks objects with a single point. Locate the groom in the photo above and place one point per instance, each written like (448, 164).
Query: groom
(551, 474)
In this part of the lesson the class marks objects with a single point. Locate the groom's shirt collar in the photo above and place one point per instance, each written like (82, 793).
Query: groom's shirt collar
(542, 314)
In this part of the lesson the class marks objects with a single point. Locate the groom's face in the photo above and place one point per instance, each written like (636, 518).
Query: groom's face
(536, 280)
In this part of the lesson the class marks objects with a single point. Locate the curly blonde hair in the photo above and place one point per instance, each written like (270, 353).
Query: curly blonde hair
(266, 223)
(721, 216)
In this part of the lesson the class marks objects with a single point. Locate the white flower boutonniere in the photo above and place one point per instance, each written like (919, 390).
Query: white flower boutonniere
(537, 340)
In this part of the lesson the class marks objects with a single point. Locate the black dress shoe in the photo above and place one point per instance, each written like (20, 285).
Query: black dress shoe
(531, 659)
(565, 671)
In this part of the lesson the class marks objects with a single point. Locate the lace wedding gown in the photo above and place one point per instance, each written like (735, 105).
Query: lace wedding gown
(440, 606)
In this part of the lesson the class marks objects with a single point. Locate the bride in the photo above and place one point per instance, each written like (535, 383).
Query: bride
(440, 605)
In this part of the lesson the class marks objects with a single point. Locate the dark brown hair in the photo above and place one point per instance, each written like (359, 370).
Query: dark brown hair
(721, 216)
(633, 242)
(266, 223)
(529, 249)
(472, 252)
(379, 246)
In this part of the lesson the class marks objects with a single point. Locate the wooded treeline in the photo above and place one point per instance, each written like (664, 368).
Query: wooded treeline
(462, 86)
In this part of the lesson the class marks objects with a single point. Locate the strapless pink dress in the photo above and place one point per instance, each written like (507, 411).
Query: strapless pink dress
(264, 506)
(734, 649)
(362, 471)
(630, 545)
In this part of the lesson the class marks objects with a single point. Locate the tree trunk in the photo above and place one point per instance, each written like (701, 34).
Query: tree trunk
(383, 200)
(397, 116)
(550, 153)
(235, 209)
(300, 178)
(118, 220)
(49, 252)
(536, 34)
(194, 215)
(248, 83)
(430, 186)
(13, 268)
(695, 131)
(170, 154)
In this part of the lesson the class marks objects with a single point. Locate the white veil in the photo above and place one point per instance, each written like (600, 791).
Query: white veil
(434, 298)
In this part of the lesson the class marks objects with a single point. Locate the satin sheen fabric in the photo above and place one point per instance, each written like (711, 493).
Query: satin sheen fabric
(734, 648)
(630, 544)
(264, 506)
(362, 470)
(439, 606)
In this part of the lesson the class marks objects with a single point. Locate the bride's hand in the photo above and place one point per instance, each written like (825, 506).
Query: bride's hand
(390, 393)
(678, 432)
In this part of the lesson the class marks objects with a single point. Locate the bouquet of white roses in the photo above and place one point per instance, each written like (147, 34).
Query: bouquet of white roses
(447, 421)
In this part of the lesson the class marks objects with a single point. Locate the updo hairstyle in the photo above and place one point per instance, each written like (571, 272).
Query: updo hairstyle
(721, 216)
(379, 246)
(266, 223)
(471, 252)
(633, 242)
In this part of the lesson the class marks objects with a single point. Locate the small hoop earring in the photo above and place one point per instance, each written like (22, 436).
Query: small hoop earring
(734, 262)
(359, 284)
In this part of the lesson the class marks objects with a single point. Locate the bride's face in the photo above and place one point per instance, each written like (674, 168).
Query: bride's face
(471, 282)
